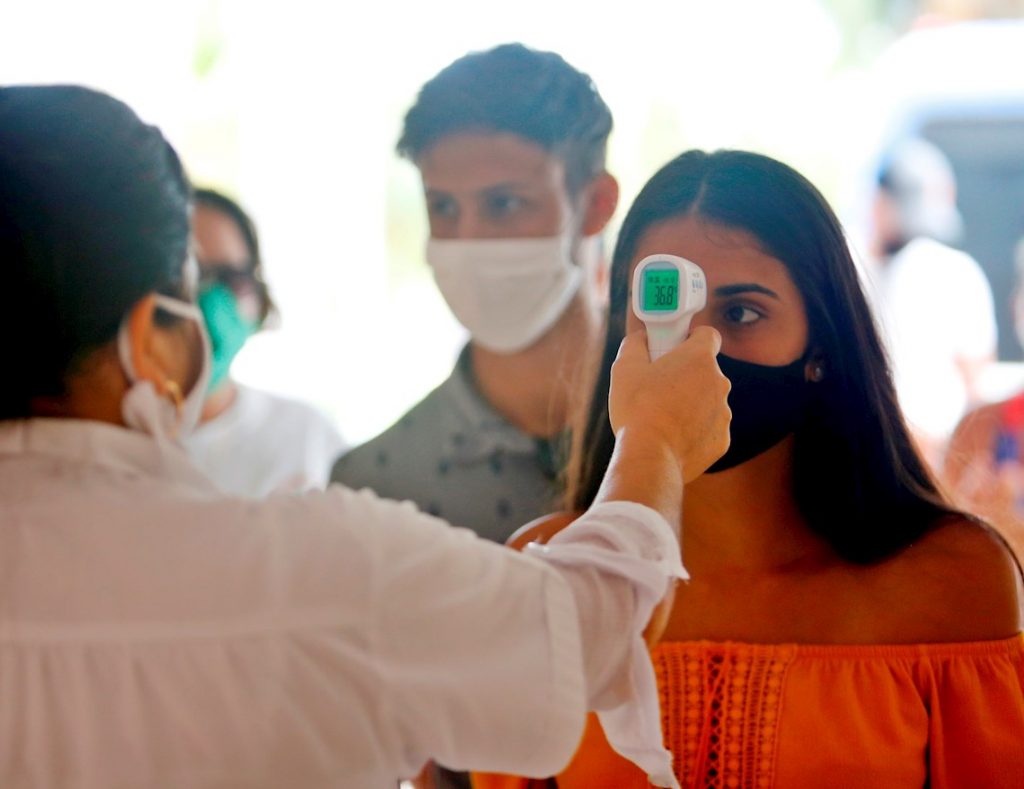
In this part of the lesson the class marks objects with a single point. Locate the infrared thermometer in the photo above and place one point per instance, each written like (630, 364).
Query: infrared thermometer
(667, 292)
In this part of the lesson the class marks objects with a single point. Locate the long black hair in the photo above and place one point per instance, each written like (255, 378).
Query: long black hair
(93, 216)
(858, 479)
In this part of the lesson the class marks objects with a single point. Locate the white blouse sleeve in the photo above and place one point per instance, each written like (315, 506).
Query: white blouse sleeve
(478, 648)
(619, 559)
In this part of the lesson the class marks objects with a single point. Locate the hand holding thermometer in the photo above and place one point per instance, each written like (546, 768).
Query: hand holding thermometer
(667, 292)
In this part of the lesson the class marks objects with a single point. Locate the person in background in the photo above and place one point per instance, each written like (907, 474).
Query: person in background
(249, 442)
(842, 625)
(155, 632)
(984, 465)
(933, 302)
(510, 144)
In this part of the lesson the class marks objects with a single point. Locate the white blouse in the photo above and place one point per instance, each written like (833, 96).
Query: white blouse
(265, 444)
(154, 633)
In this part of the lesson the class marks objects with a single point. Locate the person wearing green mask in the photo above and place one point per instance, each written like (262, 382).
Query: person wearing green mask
(249, 442)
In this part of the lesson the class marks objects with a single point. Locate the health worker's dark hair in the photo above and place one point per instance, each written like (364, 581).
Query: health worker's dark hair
(858, 479)
(513, 88)
(93, 217)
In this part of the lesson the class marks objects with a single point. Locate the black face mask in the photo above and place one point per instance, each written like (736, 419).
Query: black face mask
(767, 405)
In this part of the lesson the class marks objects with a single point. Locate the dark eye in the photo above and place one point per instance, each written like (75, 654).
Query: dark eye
(742, 314)
(503, 204)
(442, 206)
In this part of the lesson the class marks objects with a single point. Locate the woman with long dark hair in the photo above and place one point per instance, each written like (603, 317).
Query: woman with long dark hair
(843, 625)
(249, 441)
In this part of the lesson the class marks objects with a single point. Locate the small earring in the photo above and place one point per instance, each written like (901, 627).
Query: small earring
(172, 390)
(817, 373)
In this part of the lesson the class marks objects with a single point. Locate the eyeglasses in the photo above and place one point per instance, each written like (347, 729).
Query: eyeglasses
(235, 279)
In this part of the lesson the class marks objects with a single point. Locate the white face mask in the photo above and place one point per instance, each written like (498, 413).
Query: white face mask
(507, 292)
(143, 408)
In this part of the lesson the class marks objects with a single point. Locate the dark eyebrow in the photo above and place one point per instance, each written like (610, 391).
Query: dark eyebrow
(745, 287)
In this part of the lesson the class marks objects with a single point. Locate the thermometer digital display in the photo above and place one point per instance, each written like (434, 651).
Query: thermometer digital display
(667, 292)
(661, 290)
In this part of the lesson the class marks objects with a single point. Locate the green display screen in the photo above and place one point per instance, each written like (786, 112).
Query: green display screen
(661, 290)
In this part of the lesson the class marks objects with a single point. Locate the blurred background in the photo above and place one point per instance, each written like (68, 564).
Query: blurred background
(295, 108)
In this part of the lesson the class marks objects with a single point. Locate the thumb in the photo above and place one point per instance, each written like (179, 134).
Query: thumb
(706, 336)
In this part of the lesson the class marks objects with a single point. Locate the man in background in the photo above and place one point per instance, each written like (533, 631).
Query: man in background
(933, 301)
(510, 144)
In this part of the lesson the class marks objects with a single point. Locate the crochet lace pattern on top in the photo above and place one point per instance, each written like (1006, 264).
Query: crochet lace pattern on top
(720, 708)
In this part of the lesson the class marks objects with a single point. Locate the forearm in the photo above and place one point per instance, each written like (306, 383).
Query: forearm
(643, 469)
(619, 569)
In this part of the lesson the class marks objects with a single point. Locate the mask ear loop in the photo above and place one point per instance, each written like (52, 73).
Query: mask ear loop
(182, 310)
(171, 389)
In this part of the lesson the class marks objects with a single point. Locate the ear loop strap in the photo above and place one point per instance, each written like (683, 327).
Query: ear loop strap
(176, 307)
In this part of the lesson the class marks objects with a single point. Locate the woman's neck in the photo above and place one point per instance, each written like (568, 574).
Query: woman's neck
(747, 519)
(95, 392)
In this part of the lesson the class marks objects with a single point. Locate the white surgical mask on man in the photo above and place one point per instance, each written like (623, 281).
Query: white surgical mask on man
(507, 292)
(143, 408)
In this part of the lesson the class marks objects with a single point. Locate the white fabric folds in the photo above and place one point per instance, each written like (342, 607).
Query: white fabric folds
(635, 543)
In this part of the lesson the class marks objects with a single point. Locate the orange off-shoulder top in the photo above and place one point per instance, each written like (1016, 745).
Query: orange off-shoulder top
(794, 716)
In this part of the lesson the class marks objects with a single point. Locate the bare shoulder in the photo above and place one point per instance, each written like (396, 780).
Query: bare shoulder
(959, 582)
(541, 530)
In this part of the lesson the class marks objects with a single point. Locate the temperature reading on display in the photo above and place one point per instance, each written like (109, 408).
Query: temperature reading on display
(661, 290)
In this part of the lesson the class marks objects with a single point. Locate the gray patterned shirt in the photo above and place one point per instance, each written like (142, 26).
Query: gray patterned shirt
(458, 458)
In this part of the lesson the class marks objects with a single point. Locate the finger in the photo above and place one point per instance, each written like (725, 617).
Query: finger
(633, 347)
(707, 336)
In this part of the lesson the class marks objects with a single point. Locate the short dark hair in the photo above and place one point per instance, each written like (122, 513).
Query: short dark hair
(93, 216)
(513, 88)
(218, 201)
(920, 181)
(858, 479)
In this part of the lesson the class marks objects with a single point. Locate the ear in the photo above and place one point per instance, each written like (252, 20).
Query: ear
(143, 342)
(602, 197)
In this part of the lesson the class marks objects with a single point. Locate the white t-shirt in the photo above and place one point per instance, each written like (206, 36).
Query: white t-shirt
(934, 306)
(154, 633)
(266, 444)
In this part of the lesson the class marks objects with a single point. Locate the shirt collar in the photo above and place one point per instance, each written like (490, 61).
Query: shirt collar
(100, 443)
